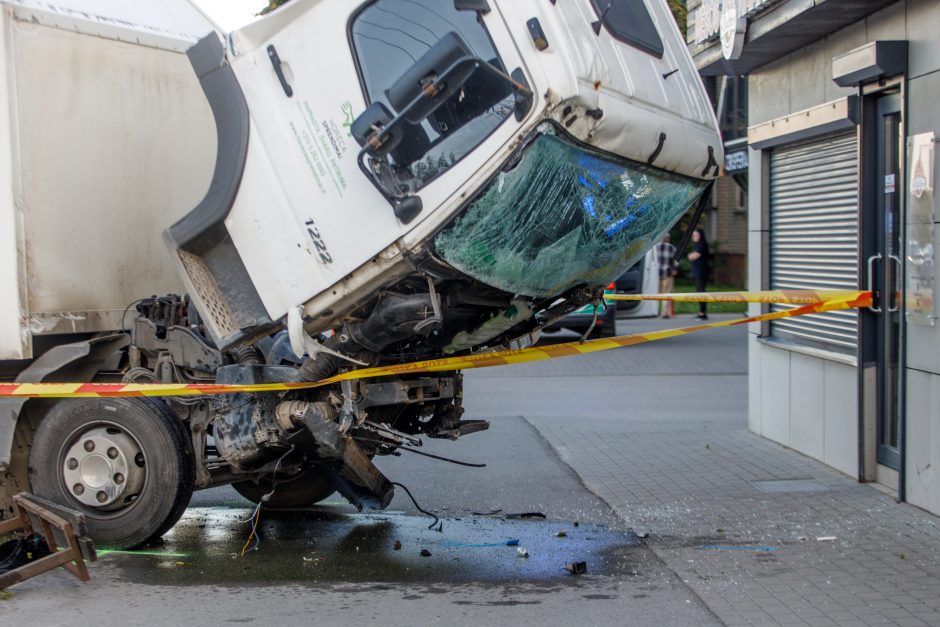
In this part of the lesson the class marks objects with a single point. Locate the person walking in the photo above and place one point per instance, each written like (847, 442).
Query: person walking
(668, 268)
(700, 267)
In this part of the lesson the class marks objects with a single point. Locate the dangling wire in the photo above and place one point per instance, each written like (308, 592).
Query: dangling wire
(255, 517)
(256, 514)
(418, 507)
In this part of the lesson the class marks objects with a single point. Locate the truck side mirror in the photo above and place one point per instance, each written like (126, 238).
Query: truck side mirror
(436, 76)
(373, 132)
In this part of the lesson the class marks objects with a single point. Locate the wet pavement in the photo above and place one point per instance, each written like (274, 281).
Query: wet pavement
(333, 543)
(330, 545)
(333, 561)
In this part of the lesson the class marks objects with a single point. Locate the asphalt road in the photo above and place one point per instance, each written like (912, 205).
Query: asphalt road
(331, 563)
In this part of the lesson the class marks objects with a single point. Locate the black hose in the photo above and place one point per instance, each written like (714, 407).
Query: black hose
(418, 507)
(443, 459)
(247, 356)
(322, 365)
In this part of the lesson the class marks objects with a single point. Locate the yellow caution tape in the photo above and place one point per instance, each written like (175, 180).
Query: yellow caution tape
(809, 301)
(793, 297)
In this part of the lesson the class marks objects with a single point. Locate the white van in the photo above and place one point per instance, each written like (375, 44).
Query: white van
(641, 278)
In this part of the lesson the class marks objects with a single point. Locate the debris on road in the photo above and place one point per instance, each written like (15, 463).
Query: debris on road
(561, 534)
(521, 552)
(397, 546)
(513, 542)
(19, 551)
(425, 553)
(525, 515)
(826, 539)
(576, 568)
(739, 547)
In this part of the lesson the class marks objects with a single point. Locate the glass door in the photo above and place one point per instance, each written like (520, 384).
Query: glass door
(885, 273)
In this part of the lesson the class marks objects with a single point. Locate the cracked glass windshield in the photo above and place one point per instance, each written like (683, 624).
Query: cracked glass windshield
(564, 216)
(389, 37)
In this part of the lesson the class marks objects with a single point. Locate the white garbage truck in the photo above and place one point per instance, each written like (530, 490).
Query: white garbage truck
(334, 186)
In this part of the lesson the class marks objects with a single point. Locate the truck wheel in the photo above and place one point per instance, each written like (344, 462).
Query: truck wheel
(126, 463)
(307, 487)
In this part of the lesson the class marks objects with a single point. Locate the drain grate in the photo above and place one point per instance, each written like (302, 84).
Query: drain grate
(786, 486)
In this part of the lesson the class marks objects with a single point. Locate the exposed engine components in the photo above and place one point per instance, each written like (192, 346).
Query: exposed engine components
(350, 470)
(328, 435)
(518, 311)
(246, 430)
(397, 317)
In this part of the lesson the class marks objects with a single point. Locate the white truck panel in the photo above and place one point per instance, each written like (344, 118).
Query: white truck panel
(112, 141)
(13, 337)
(314, 158)
(306, 139)
(626, 83)
(169, 24)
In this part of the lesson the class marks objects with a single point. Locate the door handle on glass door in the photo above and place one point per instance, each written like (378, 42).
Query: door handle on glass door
(871, 281)
(897, 283)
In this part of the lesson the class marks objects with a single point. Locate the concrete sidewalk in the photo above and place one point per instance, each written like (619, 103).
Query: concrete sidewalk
(667, 447)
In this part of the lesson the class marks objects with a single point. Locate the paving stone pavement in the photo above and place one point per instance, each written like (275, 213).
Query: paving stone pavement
(682, 471)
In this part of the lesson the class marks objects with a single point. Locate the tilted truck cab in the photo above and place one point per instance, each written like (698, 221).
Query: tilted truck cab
(394, 180)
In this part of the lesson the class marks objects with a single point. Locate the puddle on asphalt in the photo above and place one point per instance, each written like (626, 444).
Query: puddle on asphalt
(336, 545)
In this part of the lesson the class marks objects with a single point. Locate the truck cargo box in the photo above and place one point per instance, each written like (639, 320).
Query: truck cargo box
(106, 138)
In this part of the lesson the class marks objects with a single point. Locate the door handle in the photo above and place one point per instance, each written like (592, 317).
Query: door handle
(897, 285)
(276, 62)
(871, 281)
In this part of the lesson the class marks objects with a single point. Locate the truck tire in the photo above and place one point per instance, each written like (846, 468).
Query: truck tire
(307, 487)
(126, 463)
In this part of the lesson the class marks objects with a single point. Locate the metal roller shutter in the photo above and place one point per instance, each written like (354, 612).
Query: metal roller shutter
(814, 234)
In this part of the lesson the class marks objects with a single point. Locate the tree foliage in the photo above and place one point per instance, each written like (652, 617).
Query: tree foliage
(680, 12)
(273, 4)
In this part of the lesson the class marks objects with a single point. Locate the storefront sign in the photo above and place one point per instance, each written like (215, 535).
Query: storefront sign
(921, 274)
(920, 245)
(921, 184)
(890, 186)
(736, 161)
(732, 33)
(708, 16)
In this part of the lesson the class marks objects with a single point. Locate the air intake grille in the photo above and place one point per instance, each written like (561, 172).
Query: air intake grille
(215, 309)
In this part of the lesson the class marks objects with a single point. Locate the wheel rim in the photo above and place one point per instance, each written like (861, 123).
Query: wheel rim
(103, 467)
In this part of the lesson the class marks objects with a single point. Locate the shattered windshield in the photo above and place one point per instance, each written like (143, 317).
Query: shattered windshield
(564, 216)
(389, 36)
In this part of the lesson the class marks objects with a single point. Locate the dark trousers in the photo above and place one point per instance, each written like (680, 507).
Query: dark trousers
(700, 280)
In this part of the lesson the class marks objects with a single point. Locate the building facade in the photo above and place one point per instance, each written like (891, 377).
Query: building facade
(843, 118)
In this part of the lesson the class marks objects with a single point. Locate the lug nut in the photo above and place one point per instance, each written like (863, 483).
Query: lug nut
(101, 496)
(89, 446)
(118, 478)
(112, 453)
(78, 489)
(72, 463)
